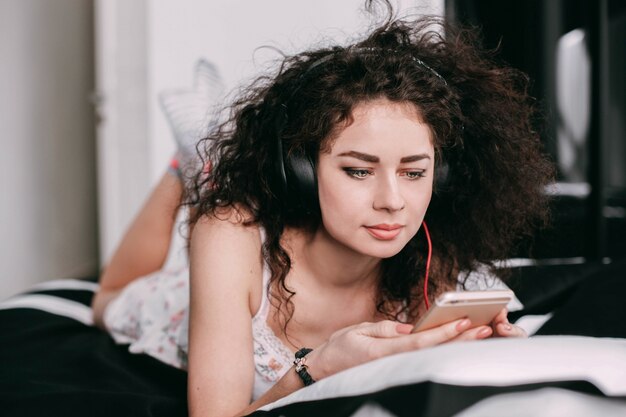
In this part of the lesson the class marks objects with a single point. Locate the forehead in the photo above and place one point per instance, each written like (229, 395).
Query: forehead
(383, 125)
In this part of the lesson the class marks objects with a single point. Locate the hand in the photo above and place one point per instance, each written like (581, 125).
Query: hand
(365, 342)
(502, 328)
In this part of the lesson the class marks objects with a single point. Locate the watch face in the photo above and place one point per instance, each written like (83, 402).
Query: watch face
(300, 366)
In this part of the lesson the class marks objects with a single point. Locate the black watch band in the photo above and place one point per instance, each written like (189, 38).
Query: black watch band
(301, 368)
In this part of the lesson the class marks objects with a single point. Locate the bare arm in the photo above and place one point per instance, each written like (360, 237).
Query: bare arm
(225, 262)
(225, 265)
(363, 343)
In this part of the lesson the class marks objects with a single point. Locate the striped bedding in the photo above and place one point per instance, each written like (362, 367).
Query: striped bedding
(53, 362)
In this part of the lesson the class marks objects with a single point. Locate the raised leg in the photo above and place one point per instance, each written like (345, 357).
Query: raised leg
(145, 245)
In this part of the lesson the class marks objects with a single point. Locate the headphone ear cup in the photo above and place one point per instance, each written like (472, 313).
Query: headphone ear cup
(442, 177)
(281, 169)
(302, 180)
(295, 173)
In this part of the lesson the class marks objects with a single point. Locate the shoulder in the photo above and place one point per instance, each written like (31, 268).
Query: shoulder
(228, 232)
(228, 224)
(226, 255)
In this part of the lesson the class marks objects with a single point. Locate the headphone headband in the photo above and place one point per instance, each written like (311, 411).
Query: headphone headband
(296, 170)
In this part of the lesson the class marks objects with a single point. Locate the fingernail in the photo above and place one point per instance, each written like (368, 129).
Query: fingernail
(484, 332)
(464, 324)
(508, 327)
(404, 328)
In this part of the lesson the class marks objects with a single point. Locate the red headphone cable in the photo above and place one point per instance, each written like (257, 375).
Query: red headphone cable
(430, 251)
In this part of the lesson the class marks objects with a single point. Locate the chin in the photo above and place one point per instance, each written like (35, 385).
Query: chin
(381, 250)
(364, 244)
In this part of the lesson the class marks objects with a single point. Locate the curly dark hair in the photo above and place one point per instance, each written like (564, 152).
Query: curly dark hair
(481, 123)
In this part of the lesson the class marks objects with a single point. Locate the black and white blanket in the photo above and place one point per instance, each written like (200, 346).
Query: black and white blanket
(54, 362)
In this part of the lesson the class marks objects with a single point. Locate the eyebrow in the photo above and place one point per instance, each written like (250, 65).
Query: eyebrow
(374, 159)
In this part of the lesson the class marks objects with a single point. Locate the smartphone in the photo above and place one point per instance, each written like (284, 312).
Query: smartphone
(481, 307)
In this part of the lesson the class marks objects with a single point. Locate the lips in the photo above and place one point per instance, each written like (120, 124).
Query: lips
(384, 231)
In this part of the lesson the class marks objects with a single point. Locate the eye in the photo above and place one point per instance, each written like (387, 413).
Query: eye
(416, 174)
(357, 173)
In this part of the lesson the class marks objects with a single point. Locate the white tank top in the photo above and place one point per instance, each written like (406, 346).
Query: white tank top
(151, 315)
(272, 359)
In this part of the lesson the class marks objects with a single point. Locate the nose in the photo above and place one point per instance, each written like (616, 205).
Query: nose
(388, 195)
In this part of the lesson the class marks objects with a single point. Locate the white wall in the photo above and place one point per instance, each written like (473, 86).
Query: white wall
(168, 37)
(231, 32)
(47, 163)
(48, 185)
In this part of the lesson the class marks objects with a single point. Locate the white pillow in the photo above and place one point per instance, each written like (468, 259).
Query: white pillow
(492, 362)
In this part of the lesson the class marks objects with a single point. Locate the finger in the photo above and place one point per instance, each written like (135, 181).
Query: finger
(501, 317)
(385, 329)
(424, 339)
(444, 332)
(510, 330)
(477, 333)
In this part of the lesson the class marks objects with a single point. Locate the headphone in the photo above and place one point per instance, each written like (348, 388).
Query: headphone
(296, 171)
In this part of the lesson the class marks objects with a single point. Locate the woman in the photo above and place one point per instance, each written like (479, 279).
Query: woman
(311, 229)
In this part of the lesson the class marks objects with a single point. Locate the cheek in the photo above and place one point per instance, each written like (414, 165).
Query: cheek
(339, 199)
(342, 204)
(417, 202)
(421, 199)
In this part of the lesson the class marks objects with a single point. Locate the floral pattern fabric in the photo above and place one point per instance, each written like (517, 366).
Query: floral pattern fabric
(151, 315)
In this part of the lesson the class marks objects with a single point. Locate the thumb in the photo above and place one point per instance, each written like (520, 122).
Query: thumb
(388, 328)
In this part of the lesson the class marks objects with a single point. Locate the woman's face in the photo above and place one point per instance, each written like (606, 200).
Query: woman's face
(376, 182)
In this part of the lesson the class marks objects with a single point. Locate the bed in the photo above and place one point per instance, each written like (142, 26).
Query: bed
(54, 362)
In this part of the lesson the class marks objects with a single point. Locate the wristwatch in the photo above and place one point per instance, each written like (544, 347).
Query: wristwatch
(301, 368)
